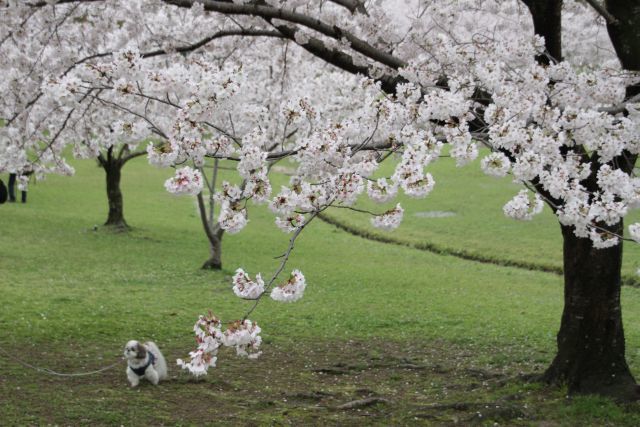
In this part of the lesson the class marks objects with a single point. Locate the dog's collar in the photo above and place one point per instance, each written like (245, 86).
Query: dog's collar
(142, 369)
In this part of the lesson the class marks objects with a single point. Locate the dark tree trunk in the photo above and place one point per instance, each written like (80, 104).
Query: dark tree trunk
(214, 235)
(215, 251)
(591, 345)
(547, 22)
(625, 36)
(112, 164)
(115, 219)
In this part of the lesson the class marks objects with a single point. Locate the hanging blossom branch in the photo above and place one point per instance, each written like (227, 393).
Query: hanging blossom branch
(242, 334)
(285, 258)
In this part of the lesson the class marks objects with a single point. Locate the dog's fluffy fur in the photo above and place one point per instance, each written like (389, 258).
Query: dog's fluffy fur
(137, 355)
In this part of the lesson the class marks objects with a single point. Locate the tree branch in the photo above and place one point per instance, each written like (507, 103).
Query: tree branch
(219, 34)
(46, 3)
(602, 11)
(285, 258)
(101, 160)
(315, 46)
(203, 217)
(268, 13)
(622, 107)
(341, 59)
(352, 5)
(133, 155)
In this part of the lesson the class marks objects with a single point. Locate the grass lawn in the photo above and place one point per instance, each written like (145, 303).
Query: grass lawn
(438, 340)
(464, 215)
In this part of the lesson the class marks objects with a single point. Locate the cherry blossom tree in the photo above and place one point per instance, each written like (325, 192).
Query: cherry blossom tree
(551, 88)
(281, 85)
(111, 157)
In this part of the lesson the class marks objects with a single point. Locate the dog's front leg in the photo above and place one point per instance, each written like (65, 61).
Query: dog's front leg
(133, 378)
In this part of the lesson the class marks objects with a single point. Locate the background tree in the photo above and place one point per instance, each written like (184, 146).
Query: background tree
(112, 164)
(112, 155)
(269, 103)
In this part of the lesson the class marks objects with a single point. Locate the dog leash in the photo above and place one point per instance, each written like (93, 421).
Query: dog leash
(60, 374)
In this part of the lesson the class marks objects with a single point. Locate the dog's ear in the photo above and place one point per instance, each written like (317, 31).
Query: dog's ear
(141, 351)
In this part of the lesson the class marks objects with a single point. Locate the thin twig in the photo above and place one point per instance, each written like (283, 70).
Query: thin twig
(285, 258)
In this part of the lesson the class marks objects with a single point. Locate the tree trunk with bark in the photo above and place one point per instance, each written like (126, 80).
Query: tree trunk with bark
(113, 172)
(214, 235)
(215, 251)
(112, 164)
(591, 345)
(547, 22)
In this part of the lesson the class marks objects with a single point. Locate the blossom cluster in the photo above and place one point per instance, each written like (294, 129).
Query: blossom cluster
(185, 181)
(243, 335)
(389, 220)
(291, 290)
(522, 207)
(246, 288)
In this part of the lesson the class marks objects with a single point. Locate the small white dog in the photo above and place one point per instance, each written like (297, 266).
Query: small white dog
(144, 360)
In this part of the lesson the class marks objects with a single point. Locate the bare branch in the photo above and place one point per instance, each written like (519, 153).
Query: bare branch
(133, 155)
(285, 258)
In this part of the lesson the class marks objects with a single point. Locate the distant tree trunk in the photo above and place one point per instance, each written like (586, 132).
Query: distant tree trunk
(113, 171)
(215, 251)
(591, 345)
(214, 235)
(112, 164)
(4, 194)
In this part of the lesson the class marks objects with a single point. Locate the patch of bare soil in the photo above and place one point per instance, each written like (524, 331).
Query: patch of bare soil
(297, 383)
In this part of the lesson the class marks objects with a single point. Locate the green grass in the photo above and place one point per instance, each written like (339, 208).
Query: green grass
(72, 296)
(477, 225)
